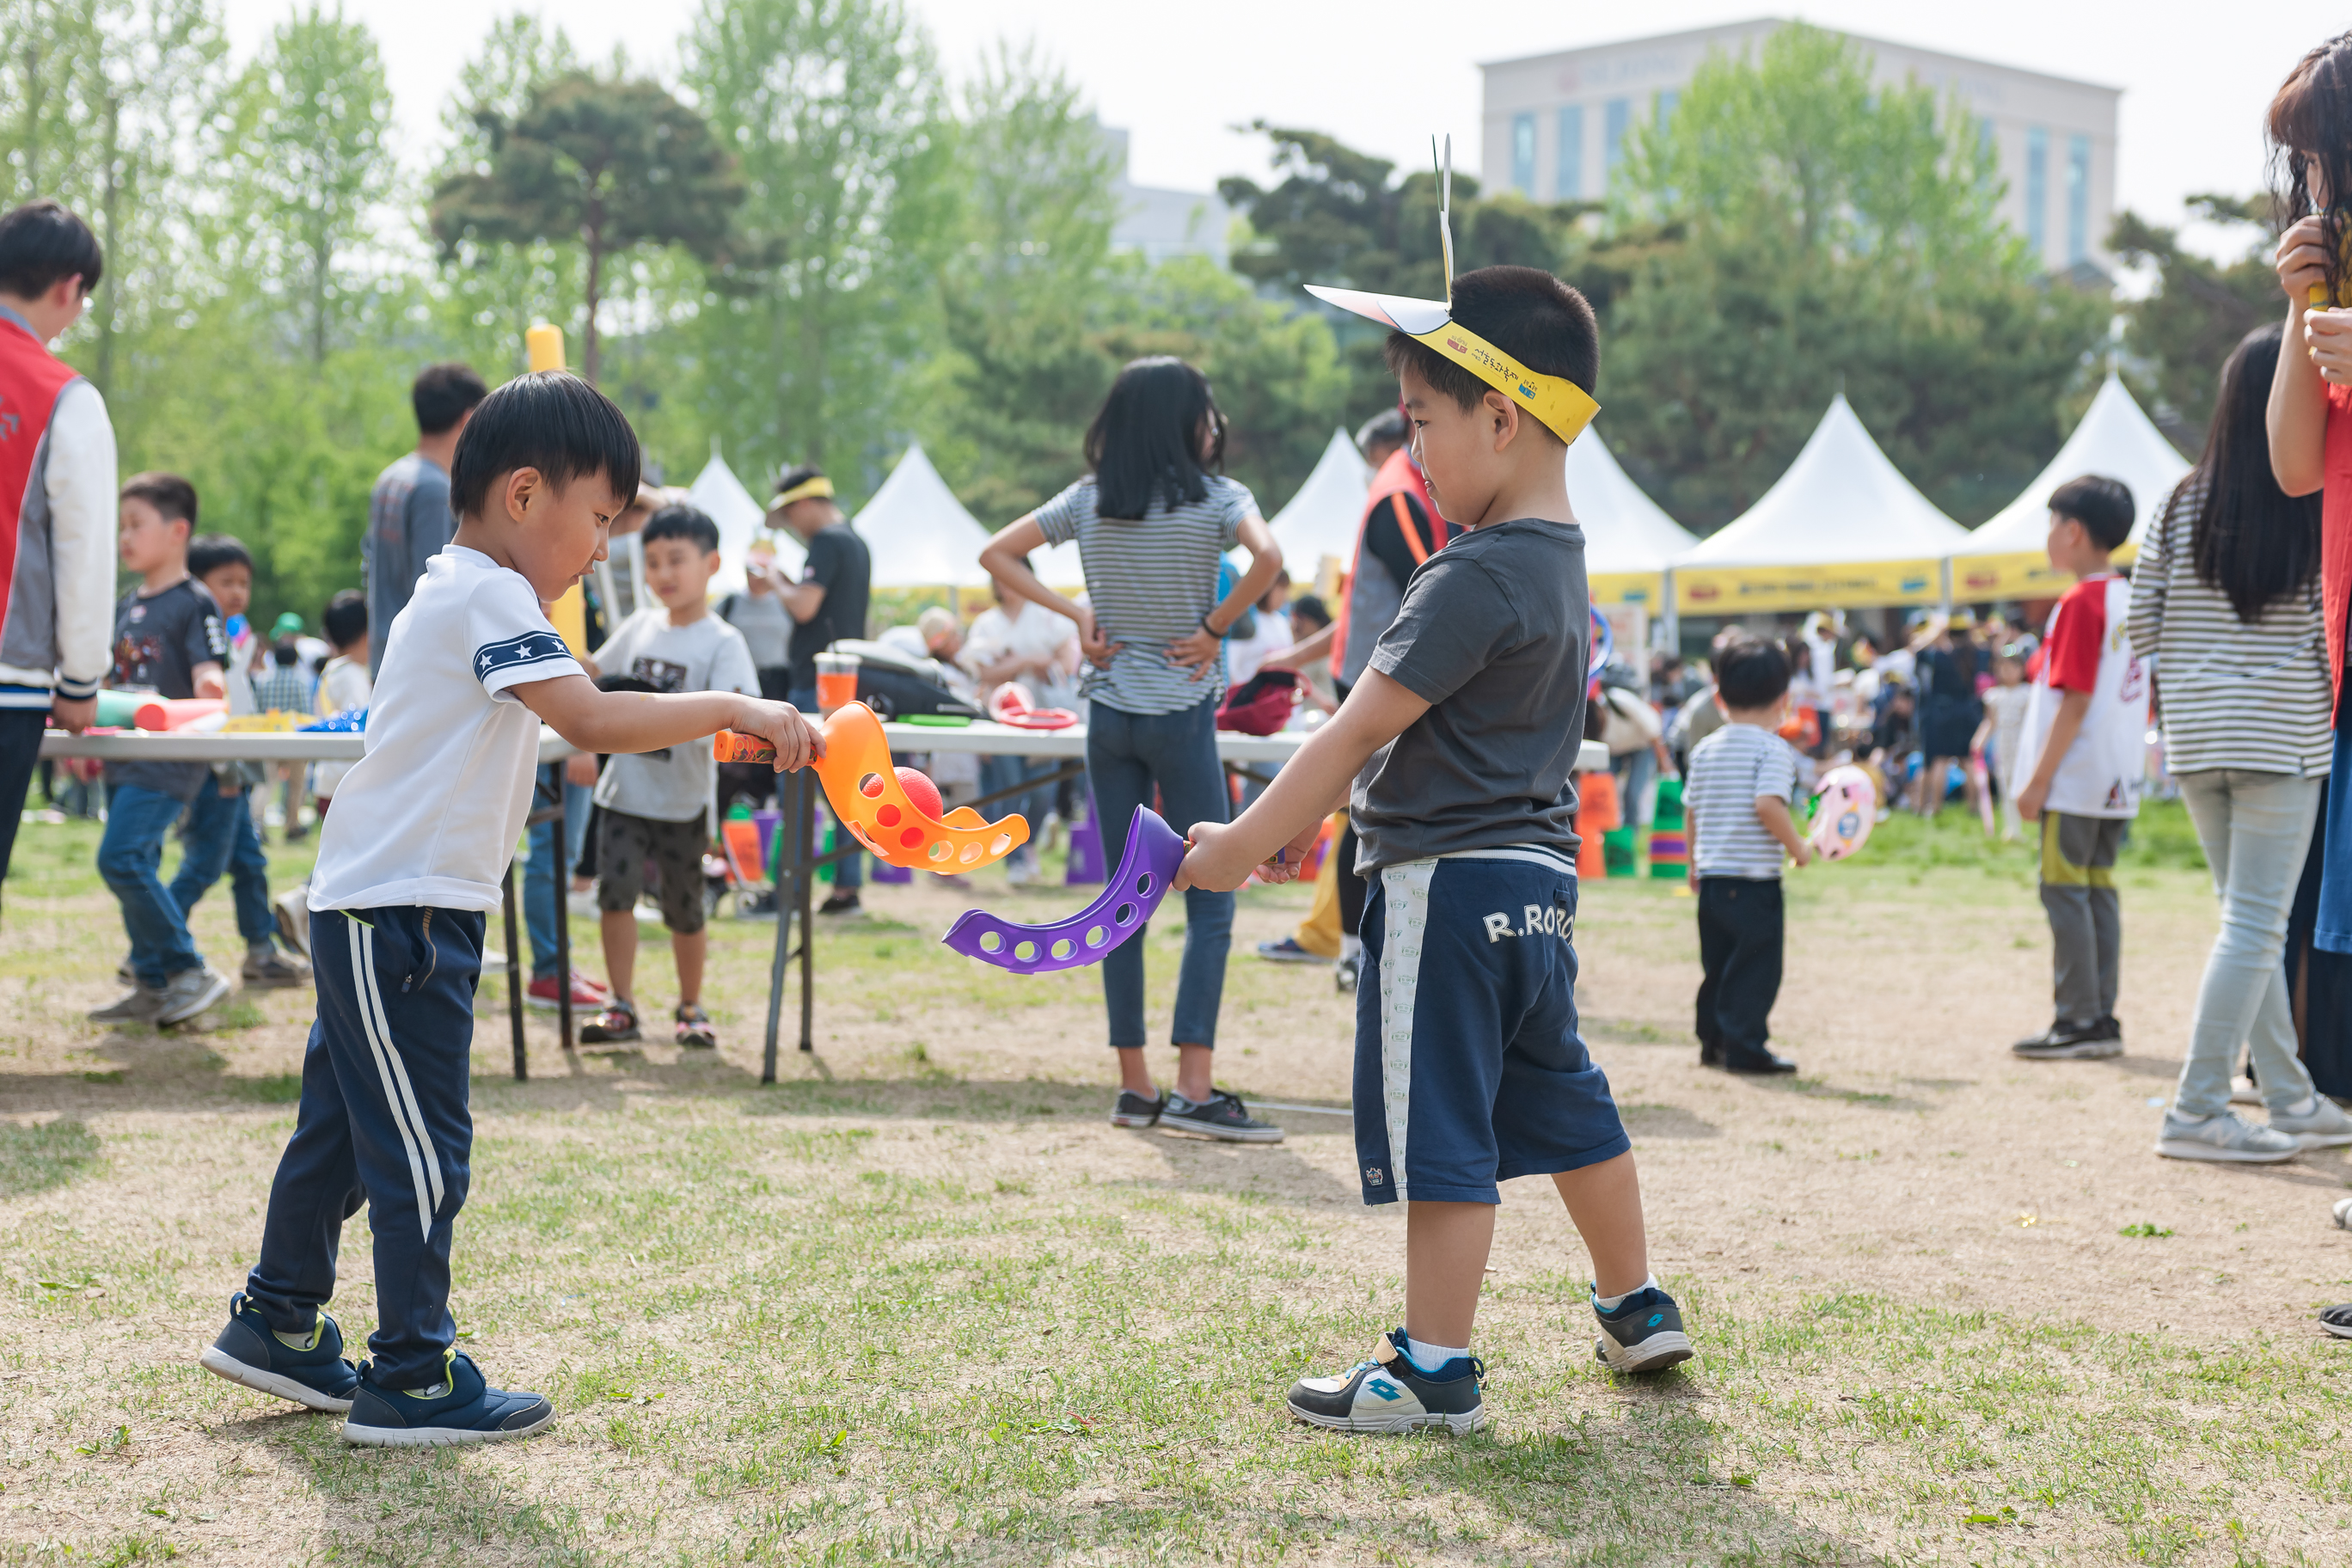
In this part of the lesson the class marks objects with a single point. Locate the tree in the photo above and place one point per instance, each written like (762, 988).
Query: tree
(307, 141)
(2176, 337)
(1004, 404)
(612, 164)
(1795, 229)
(806, 337)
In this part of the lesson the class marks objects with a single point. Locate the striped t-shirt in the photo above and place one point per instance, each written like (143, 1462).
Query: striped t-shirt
(1150, 581)
(1729, 772)
(2235, 695)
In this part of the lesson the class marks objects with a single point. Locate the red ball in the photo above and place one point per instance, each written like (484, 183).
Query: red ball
(922, 794)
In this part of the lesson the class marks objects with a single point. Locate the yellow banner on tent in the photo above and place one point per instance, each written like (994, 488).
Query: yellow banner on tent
(1862, 585)
(1646, 589)
(2025, 574)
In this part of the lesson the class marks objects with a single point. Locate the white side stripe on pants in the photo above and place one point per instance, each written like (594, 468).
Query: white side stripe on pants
(1404, 922)
(397, 1096)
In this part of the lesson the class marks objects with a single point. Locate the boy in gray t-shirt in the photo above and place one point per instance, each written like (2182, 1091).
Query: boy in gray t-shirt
(1458, 742)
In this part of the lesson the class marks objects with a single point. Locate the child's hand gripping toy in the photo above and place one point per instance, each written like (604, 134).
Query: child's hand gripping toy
(1153, 853)
(901, 825)
(1844, 807)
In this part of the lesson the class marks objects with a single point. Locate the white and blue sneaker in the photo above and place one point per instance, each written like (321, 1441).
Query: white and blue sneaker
(1644, 1333)
(461, 1408)
(307, 1369)
(1389, 1394)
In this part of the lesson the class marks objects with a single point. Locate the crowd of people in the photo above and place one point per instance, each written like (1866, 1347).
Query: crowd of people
(1452, 676)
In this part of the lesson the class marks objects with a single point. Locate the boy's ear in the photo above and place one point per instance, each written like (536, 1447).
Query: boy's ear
(518, 490)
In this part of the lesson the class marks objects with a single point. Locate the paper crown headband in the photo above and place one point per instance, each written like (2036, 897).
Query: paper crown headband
(1562, 406)
(818, 484)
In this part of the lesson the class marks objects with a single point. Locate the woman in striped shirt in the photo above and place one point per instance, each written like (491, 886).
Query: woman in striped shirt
(2226, 598)
(1152, 522)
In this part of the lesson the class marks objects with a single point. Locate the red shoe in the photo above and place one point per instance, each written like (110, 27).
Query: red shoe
(585, 993)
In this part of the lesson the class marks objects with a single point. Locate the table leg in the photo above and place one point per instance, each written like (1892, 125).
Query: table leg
(810, 849)
(787, 905)
(561, 882)
(514, 982)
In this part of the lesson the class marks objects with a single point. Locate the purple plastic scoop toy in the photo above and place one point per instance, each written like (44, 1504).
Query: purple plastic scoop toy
(1153, 853)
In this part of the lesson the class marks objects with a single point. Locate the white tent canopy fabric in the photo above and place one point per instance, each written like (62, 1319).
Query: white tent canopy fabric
(919, 534)
(2004, 557)
(1322, 518)
(718, 493)
(1629, 541)
(1842, 527)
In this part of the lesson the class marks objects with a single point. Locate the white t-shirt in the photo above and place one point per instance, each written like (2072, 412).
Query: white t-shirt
(430, 813)
(1035, 633)
(1730, 771)
(1245, 656)
(703, 655)
(343, 685)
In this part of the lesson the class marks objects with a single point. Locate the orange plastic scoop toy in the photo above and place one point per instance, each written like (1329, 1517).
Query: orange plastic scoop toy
(864, 791)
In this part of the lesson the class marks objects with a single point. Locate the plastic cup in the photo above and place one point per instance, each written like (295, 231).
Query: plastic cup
(836, 680)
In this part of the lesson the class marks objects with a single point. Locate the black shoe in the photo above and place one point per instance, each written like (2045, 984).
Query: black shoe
(615, 1025)
(1763, 1064)
(1388, 1394)
(841, 904)
(1344, 973)
(1221, 1116)
(1643, 1335)
(1710, 1053)
(2112, 1029)
(1134, 1110)
(2067, 1041)
(2337, 1321)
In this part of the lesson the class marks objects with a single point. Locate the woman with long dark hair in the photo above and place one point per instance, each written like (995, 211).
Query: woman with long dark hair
(1153, 519)
(2226, 597)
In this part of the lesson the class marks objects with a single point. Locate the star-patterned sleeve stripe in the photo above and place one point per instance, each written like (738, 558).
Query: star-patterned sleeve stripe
(530, 647)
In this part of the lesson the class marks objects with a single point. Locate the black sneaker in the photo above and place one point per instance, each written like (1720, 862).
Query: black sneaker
(1388, 1394)
(1763, 1064)
(2337, 1321)
(1344, 975)
(841, 904)
(1643, 1335)
(616, 1023)
(1134, 1110)
(462, 1408)
(1221, 1116)
(2068, 1041)
(308, 1371)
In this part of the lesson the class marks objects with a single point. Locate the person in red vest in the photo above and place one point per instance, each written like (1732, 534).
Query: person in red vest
(1400, 530)
(57, 498)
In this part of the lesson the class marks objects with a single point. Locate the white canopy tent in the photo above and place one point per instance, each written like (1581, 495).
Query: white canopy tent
(919, 534)
(716, 491)
(1323, 516)
(1842, 528)
(2005, 559)
(1629, 541)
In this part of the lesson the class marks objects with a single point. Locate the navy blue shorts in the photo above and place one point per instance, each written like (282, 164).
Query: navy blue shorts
(1468, 1068)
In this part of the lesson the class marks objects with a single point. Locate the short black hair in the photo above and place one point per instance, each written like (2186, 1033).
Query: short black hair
(682, 522)
(208, 552)
(550, 420)
(2102, 505)
(1311, 607)
(1750, 672)
(443, 394)
(44, 242)
(345, 619)
(799, 473)
(170, 494)
(1522, 310)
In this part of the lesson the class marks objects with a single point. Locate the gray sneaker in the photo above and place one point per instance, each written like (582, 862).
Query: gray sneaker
(189, 992)
(271, 970)
(141, 1006)
(2224, 1138)
(2325, 1128)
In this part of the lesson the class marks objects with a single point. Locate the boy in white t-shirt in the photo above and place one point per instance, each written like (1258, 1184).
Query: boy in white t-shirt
(410, 861)
(651, 806)
(2081, 752)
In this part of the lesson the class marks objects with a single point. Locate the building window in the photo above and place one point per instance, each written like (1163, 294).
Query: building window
(1523, 153)
(2078, 199)
(1668, 101)
(1616, 115)
(2037, 191)
(1568, 179)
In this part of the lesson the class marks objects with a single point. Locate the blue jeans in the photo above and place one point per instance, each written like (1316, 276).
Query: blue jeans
(545, 878)
(1004, 773)
(1126, 755)
(849, 872)
(129, 857)
(220, 837)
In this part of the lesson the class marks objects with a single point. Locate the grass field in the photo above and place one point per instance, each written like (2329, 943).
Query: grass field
(919, 1302)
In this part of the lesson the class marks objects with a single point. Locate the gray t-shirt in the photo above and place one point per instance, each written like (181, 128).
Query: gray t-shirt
(705, 655)
(1493, 633)
(409, 522)
(766, 626)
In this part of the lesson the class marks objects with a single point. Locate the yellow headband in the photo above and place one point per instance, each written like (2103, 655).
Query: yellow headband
(1557, 403)
(817, 485)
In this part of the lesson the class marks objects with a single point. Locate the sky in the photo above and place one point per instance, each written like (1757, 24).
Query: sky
(1180, 79)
